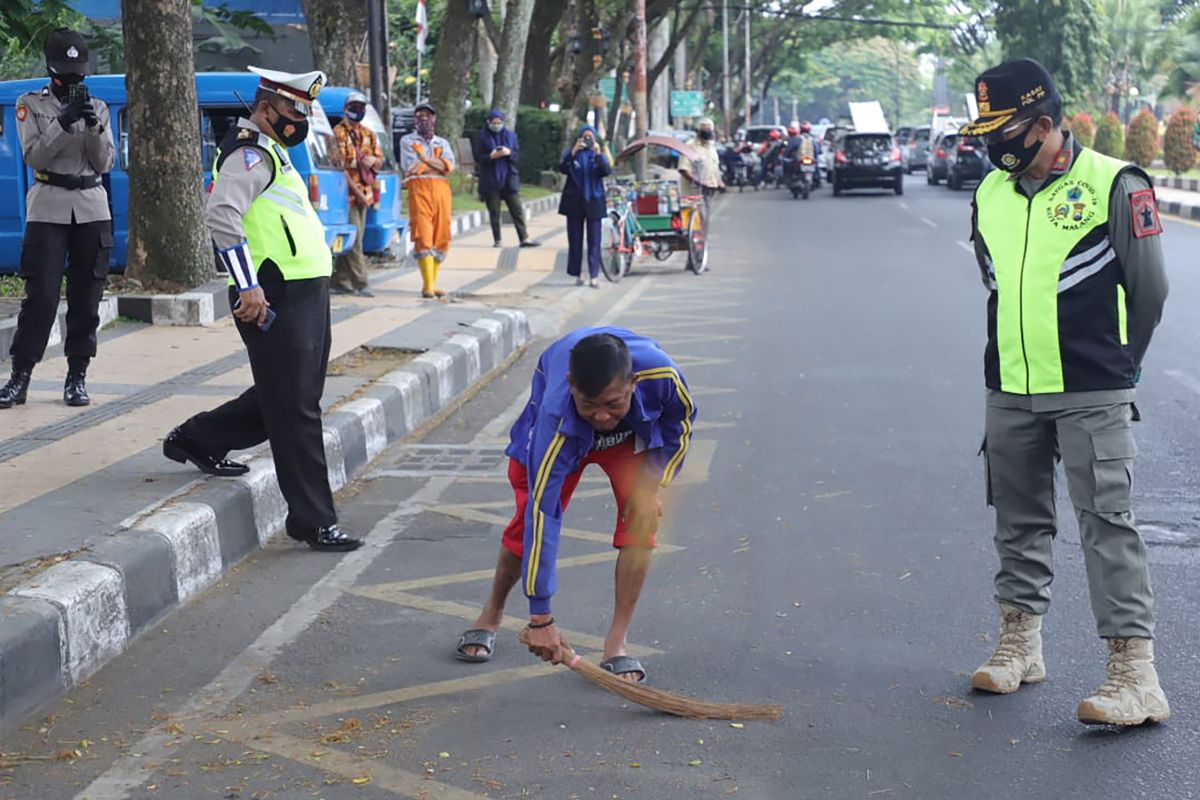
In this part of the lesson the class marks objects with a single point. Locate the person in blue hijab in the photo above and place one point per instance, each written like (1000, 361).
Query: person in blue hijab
(496, 153)
(583, 202)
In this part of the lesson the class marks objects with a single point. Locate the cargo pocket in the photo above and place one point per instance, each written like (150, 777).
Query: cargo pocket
(1112, 470)
(100, 266)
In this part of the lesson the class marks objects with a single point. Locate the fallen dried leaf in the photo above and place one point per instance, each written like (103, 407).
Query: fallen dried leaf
(362, 780)
(695, 762)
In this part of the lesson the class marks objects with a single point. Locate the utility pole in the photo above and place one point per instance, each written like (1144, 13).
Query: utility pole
(640, 105)
(725, 57)
(749, 77)
(376, 54)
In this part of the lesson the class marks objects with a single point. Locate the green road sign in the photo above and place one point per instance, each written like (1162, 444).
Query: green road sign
(608, 88)
(687, 104)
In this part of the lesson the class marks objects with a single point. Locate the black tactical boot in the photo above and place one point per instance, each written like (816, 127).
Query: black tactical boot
(331, 538)
(14, 392)
(75, 389)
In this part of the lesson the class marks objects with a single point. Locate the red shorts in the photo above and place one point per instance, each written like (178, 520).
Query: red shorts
(620, 463)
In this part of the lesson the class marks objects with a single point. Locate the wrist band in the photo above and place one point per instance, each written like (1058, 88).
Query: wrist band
(545, 624)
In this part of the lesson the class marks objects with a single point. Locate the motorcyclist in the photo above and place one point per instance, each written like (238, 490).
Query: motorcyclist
(770, 152)
(801, 144)
(731, 159)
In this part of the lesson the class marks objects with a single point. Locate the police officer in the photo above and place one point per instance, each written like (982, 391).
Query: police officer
(1068, 243)
(273, 246)
(65, 138)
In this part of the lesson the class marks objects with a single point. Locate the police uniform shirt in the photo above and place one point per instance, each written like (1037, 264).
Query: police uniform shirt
(242, 178)
(77, 151)
(1142, 265)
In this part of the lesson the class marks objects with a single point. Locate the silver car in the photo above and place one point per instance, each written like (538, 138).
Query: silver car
(917, 149)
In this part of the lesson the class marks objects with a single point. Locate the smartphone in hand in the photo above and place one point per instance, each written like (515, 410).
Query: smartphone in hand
(77, 93)
(266, 325)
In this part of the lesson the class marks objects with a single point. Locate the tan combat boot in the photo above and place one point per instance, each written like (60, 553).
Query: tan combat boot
(1018, 656)
(1131, 695)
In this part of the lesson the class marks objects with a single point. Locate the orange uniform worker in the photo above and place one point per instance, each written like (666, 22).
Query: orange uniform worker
(427, 161)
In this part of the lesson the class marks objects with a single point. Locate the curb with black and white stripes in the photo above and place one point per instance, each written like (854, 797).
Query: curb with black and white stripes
(59, 627)
(467, 223)
(1174, 207)
(8, 327)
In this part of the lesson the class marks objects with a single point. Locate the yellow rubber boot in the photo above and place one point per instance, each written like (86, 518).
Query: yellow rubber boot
(425, 265)
(437, 266)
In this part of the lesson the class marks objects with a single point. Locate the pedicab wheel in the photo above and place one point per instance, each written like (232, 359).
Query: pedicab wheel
(697, 243)
(615, 264)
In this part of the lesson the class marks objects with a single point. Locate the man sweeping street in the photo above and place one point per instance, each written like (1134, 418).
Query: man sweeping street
(1068, 243)
(604, 396)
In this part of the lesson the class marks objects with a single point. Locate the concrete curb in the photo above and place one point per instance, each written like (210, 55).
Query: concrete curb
(208, 303)
(1176, 182)
(61, 626)
(8, 327)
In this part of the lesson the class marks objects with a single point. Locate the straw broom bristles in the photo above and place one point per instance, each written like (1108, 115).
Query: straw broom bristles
(667, 702)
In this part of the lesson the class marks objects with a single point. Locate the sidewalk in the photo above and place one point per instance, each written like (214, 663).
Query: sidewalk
(100, 535)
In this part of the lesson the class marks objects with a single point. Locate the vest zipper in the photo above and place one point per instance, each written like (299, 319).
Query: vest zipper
(1020, 291)
(292, 242)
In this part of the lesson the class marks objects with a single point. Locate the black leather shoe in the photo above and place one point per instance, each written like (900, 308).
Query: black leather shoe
(178, 448)
(15, 391)
(75, 390)
(332, 539)
(530, 243)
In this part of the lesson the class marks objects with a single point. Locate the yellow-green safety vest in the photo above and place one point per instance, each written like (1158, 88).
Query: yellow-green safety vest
(1056, 314)
(281, 224)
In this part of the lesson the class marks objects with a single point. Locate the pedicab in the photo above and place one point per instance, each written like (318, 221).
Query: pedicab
(653, 216)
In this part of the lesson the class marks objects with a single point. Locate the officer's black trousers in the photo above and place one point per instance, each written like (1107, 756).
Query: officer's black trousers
(284, 405)
(82, 248)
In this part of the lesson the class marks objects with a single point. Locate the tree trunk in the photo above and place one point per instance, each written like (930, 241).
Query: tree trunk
(511, 60)
(450, 81)
(487, 69)
(167, 239)
(336, 29)
(536, 83)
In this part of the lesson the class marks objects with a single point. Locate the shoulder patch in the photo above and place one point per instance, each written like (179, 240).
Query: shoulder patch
(22, 111)
(252, 157)
(1144, 209)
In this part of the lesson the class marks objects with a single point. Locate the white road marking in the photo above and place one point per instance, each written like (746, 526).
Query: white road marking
(144, 758)
(1185, 379)
(929, 222)
(902, 204)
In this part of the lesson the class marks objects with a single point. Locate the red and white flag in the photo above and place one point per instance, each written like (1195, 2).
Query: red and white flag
(422, 26)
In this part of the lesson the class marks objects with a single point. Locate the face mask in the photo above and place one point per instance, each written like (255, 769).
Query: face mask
(290, 132)
(495, 127)
(356, 114)
(706, 135)
(425, 126)
(1014, 156)
(61, 82)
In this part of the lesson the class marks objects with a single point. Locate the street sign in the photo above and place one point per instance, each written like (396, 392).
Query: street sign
(608, 88)
(687, 104)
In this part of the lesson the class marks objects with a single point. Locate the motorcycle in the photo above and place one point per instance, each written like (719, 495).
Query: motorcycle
(801, 176)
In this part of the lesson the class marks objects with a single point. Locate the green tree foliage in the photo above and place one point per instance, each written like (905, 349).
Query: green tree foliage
(1084, 128)
(1110, 136)
(1185, 62)
(1141, 143)
(1178, 153)
(1066, 36)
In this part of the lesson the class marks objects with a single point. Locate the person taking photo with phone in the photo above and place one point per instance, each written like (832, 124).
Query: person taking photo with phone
(65, 138)
(273, 246)
(584, 203)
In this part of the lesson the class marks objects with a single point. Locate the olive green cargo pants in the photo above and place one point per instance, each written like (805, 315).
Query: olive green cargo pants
(1097, 449)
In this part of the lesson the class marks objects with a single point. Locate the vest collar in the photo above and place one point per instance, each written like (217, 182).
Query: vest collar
(1063, 162)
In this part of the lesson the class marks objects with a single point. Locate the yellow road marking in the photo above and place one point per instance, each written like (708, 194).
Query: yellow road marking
(451, 608)
(383, 776)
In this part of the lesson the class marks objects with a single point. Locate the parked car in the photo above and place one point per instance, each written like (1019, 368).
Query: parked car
(222, 98)
(918, 149)
(956, 159)
(831, 140)
(867, 160)
(385, 220)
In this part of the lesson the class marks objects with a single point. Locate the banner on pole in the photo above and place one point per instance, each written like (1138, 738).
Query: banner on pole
(422, 21)
(687, 104)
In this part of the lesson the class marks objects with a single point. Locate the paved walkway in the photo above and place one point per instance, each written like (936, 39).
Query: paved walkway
(68, 476)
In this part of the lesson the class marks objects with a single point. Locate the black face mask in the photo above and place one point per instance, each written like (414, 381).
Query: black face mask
(291, 132)
(1014, 156)
(706, 135)
(61, 82)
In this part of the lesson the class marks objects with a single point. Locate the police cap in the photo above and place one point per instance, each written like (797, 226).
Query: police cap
(301, 89)
(66, 52)
(1007, 92)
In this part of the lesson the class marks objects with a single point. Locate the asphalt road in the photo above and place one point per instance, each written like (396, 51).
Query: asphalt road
(827, 548)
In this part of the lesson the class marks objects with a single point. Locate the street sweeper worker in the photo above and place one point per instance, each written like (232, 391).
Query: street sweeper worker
(604, 396)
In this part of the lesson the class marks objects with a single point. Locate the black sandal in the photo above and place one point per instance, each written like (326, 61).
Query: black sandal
(625, 665)
(476, 637)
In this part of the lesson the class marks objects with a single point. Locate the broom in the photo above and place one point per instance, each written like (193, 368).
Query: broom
(657, 699)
